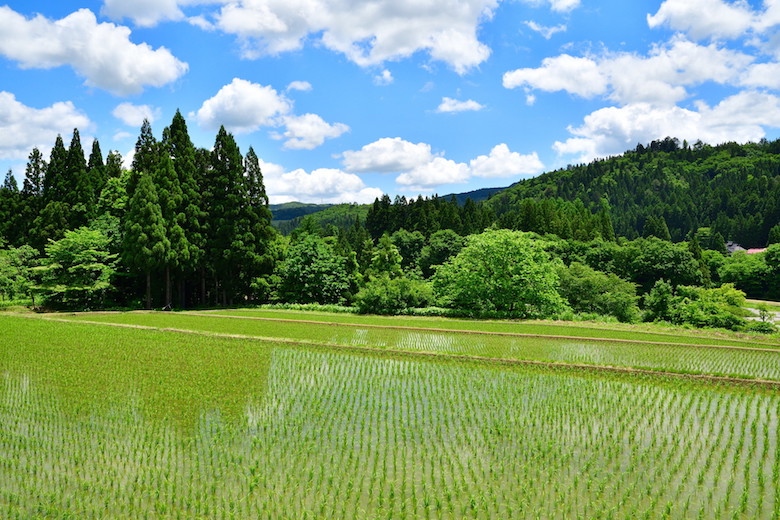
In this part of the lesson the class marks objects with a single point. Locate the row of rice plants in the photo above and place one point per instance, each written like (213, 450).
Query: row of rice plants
(761, 364)
(329, 434)
(584, 330)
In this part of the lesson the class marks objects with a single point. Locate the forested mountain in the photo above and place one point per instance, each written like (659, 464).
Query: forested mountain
(733, 189)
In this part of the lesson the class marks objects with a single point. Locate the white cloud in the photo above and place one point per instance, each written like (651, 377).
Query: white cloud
(368, 33)
(144, 13)
(323, 185)
(661, 77)
(122, 135)
(102, 53)
(309, 131)
(23, 128)
(243, 107)
(704, 18)
(134, 115)
(387, 155)
(546, 32)
(580, 76)
(613, 130)
(453, 105)
(302, 86)
(556, 5)
(762, 75)
(436, 172)
(384, 78)
(503, 163)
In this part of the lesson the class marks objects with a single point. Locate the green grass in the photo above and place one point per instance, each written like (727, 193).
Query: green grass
(102, 422)
(583, 350)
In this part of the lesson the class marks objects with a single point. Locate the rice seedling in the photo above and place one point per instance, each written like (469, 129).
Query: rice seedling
(94, 424)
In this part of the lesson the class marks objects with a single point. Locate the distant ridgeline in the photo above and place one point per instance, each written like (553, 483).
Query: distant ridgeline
(731, 188)
(665, 189)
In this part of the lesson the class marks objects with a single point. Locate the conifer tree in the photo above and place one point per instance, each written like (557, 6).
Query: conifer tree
(145, 158)
(54, 182)
(189, 214)
(145, 242)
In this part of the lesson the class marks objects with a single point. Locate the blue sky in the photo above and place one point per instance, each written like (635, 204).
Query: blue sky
(344, 100)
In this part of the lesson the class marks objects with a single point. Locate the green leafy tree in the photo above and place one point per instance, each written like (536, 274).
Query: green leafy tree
(442, 245)
(589, 290)
(386, 259)
(410, 245)
(77, 271)
(386, 295)
(312, 272)
(501, 270)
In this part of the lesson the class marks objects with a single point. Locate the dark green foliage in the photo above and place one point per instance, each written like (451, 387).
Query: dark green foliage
(500, 270)
(146, 243)
(10, 210)
(77, 271)
(410, 245)
(734, 189)
(656, 227)
(590, 291)
(568, 220)
(386, 295)
(426, 215)
(312, 272)
(695, 305)
(55, 182)
(749, 273)
(442, 245)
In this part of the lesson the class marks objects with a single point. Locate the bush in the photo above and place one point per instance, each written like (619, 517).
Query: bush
(594, 292)
(762, 327)
(385, 295)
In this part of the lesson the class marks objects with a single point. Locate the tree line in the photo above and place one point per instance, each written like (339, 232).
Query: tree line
(186, 226)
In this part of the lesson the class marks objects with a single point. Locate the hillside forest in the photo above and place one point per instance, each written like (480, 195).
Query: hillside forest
(641, 236)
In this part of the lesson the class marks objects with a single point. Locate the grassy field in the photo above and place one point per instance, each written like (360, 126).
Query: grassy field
(106, 422)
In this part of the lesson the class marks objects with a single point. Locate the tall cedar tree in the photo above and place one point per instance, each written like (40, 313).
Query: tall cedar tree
(32, 194)
(260, 219)
(145, 158)
(54, 183)
(170, 200)
(96, 177)
(189, 215)
(234, 249)
(145, 241)
(10, 202)
(77, 194)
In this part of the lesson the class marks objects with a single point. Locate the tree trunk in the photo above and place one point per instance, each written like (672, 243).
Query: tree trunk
(148, 290)
(167, 287)
(181, 287)
(203, 286)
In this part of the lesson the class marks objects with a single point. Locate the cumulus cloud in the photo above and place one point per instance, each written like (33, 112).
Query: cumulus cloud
(704, 18)
(303, 86)
(546, 32)
(368, 33)
(613, 130)
(323, 185)
(436, 172)
(23, 128)
(134, 115)
(661, 77)
(560, 6)
(501, 162)
(309, 131)
(243, 107)
(387, 155)
(102, 53)
(580, 76)
(144, 13)
(453, 105)
(384, 78)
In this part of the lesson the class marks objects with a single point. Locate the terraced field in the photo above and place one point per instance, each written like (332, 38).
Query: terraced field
(342, 421)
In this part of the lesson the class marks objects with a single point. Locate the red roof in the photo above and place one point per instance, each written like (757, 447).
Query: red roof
(755, 250)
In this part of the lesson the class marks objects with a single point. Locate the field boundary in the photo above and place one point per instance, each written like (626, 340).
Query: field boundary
(487, 333)
(437, 355)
